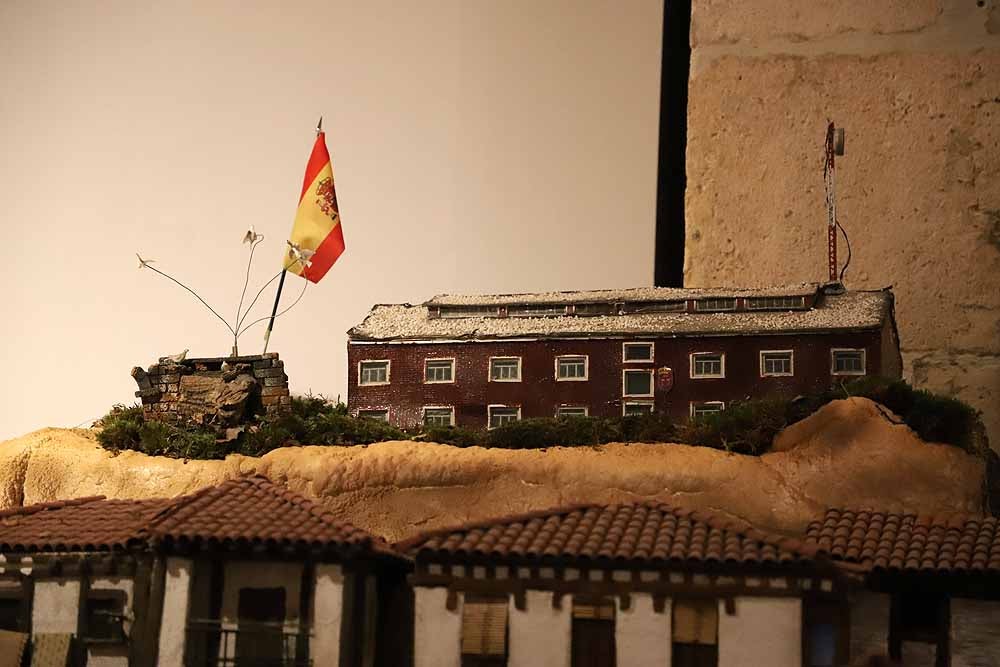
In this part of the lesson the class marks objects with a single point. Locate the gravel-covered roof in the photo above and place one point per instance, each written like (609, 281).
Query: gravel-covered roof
(633, 294)
(850, 310)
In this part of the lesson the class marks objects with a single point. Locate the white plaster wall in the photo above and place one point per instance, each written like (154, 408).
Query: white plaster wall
(328, 608)
(642, 637)
(437, 632)
(540, 635)
(55, 606)
(763, 631)
(176, 598)
(261, 574)
(113, 655)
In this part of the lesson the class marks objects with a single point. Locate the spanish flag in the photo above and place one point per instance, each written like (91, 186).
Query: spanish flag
(316, 233)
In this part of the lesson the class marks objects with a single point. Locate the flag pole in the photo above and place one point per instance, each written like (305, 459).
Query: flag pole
(281, 281)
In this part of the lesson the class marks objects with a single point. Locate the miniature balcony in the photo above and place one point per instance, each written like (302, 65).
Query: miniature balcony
(214, 643)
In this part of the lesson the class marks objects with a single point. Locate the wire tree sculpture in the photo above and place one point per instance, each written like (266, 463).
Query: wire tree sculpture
(296, 255)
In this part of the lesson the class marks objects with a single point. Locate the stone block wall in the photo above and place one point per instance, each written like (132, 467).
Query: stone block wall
(222, 392)
(916, 84)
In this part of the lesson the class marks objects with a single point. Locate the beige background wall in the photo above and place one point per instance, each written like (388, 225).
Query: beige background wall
(916, 83)
(477, 146)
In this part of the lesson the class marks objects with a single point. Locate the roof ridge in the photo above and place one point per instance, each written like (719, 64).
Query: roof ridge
(26, 510)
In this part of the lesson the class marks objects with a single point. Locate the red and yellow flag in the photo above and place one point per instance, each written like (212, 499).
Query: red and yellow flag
(316, 231)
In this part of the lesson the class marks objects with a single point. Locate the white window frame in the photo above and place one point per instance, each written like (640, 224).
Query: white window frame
(652, 381)
(423, 413)
(388, 372)
(451, 381)
(586, 410)
(586, 367)
(693, 404)
(489, 370)
(864, 360)
(722, 366)
(489, 413)
(791, 363)
(386, 409)
(652, 353)
(625, 404)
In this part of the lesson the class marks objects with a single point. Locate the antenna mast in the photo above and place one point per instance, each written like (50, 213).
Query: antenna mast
(834, 147)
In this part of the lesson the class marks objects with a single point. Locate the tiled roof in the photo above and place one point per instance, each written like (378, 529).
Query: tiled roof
(908, 542)
(247, 510)
(83, 524)
(849, 311)
(254, 509)
(640, 534)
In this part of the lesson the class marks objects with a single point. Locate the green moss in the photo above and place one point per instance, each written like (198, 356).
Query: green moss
(746, 427)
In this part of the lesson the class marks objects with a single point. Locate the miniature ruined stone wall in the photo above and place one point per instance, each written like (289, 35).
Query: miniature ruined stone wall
(222, 392)
(915, 84)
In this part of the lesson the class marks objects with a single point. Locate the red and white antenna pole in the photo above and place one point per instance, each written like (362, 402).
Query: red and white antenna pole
(834, 147)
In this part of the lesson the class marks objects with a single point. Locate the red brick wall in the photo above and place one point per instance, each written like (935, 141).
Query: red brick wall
(539, 394)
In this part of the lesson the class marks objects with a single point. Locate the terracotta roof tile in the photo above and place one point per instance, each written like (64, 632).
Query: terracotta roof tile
(82, 524)
(634, 533)
(908, 542)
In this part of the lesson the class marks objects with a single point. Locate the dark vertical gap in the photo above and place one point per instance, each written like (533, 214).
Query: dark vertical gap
(671, 175)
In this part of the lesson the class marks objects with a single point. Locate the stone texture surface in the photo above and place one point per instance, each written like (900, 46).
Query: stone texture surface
(847, 454)
(918, 188)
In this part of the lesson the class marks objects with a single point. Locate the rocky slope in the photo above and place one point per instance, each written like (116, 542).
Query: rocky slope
(848, 454)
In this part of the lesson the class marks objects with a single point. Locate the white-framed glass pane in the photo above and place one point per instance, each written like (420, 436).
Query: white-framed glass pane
(704, 409)
(776, 363)
(505, 368)
(715, 305)
(707, 365)
(374, 372)
(638, 409)
(638, 352)
(571, 411)
(572, 368)
(501, 415)
(439, 370)
(849, 361)
(775, 303)
(377, 415)
(638, 383)
(438, 416)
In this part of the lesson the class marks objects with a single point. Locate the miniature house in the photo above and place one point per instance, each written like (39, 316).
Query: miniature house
(600, 586)
(480, 361)
(244, 569)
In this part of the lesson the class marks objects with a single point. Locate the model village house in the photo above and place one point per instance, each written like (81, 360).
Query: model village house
(480, 361)
(250, 573)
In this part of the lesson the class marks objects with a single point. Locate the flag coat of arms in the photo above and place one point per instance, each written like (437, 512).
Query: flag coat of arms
(316, 232)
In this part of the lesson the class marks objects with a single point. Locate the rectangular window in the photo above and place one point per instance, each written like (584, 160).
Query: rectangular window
(378, 414)
(439, 416)
(637, 353)
(505, 369)
(775, 363)
(592, 635)
(638, 409)
(103, 616)
(571, 411)
(539, 310)
(705, 408)
(637, 383)
(15, 607)
(655, 307)
(454, 312)
(373, 372)
(716, 305)
(847, 361)
(826, 632)
(695, 633)
(571, 367)
(502, 414)
(775, 303)
(708, 365)
(484, 630)
(439, 370)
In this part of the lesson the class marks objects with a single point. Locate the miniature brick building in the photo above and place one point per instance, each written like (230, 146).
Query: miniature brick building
(478, 361)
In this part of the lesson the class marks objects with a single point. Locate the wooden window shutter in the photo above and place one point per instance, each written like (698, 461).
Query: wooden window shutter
(696, 622)
(604, 611)
(484, 625)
